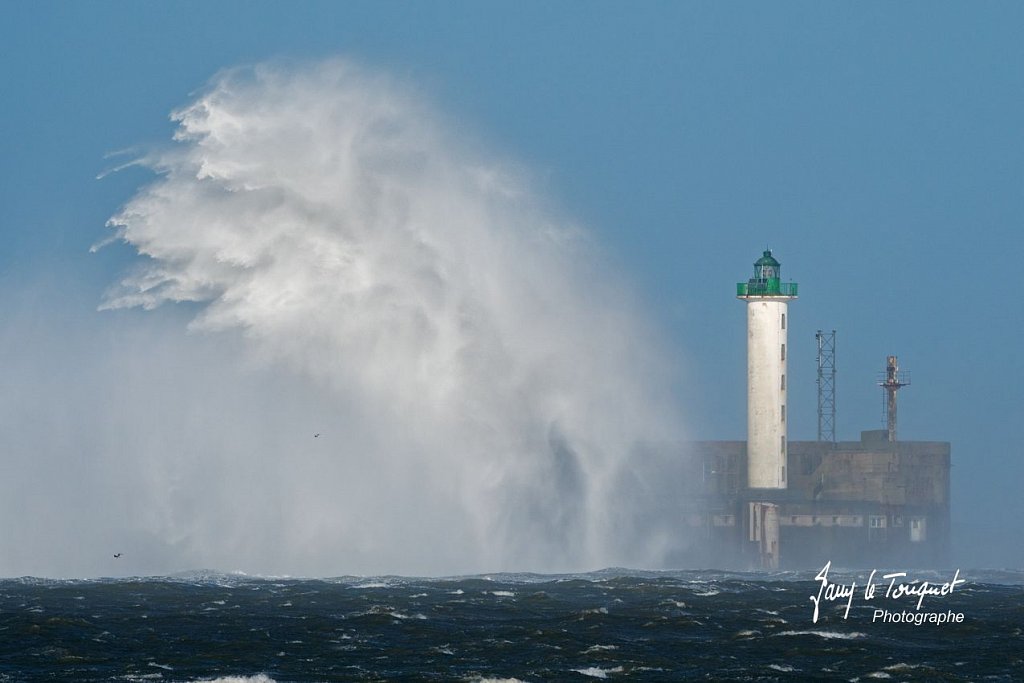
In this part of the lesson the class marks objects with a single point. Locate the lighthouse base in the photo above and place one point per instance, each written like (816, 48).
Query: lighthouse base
(763, 533)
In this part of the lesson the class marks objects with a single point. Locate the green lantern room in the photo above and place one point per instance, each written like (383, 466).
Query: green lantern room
(766, 280)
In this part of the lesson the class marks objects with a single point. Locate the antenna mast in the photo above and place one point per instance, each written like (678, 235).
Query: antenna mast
(893, 381)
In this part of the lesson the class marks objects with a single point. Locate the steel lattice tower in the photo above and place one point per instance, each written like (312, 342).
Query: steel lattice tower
(826, 386)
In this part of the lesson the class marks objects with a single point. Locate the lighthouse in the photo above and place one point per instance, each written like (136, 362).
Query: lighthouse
(767, 299)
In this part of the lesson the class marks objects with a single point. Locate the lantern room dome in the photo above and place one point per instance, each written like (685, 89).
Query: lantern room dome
(767, 259)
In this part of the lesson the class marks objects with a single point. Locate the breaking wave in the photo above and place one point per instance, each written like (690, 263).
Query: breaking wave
(494, 389)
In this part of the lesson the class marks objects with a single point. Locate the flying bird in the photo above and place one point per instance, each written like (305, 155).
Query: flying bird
(117, 555)
(316, 435)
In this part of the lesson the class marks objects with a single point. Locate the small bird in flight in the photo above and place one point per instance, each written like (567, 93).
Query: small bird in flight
(117, 555)
(317, 435)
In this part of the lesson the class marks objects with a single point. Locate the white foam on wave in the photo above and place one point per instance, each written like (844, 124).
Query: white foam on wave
(401, 615)
(387, 610)
(258, 678)
(824, 634)
(600, 648)
(598, 672)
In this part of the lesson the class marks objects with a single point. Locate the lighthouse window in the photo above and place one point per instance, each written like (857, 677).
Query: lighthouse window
(783, 382)
(783, 445)
(783, 321)
(783, 413)
(783, 352)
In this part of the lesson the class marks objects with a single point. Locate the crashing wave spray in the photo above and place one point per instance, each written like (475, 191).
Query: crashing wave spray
(494, 391)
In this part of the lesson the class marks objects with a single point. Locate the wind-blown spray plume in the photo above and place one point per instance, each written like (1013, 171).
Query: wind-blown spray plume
(492, 389)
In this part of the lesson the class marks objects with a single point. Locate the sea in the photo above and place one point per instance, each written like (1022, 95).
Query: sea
(615, 624)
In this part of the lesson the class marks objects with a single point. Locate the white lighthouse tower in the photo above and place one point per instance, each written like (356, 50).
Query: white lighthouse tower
(767, 307)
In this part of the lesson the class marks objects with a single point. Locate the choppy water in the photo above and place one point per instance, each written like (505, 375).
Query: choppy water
(657, 626)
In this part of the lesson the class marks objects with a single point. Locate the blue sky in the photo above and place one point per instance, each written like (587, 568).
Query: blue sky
(875, 147)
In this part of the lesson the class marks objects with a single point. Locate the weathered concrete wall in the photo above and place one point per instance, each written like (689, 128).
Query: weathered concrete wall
(859, 503)
(900, 473)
